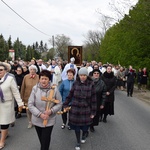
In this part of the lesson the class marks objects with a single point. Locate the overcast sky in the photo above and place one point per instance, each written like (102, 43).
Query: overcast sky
(73, 18)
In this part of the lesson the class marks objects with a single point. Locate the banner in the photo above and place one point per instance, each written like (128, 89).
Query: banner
(12, 54)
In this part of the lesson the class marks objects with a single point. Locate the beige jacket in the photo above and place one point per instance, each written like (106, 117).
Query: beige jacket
(10, 91)
(27, 86)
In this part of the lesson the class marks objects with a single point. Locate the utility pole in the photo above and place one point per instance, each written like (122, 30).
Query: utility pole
(53, 41)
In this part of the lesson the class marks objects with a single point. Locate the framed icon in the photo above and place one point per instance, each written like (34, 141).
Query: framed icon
(76, 52)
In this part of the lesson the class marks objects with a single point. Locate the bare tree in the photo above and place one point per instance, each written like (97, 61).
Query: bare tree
(92, 44)
(118, 9)
(60, 44)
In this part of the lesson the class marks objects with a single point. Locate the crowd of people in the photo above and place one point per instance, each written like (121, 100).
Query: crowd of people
(42, 89)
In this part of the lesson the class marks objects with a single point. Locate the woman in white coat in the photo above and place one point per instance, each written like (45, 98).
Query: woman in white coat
(8, 91)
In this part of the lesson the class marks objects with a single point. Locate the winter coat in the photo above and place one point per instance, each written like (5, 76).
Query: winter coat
(27, 86)
(100, 89)
(37, 106)
(65, 88)
(10, 91)
(110, 81)
(131, 75)
(83, 104)
(144, 77)
(19, 79)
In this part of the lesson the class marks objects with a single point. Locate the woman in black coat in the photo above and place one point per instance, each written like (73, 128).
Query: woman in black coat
(110, 81)
(101, 90)
(19, 78)
(144, 79)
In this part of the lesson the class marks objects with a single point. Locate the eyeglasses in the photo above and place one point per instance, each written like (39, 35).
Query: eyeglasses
(96, 73)
(1, 69)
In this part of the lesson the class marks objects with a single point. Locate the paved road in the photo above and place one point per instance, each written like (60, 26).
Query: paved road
(128, 129)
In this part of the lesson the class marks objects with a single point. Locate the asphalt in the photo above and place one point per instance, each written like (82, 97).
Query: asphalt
(128, 129)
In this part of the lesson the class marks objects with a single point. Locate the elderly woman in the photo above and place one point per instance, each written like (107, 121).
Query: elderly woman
(37, 108)
(100, 89)
(29, 81)
(83, 105)
(64, 90)
(8, 91)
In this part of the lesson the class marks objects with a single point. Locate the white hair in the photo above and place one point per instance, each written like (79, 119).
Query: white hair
(33, 67)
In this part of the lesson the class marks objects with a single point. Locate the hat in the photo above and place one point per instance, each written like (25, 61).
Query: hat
(72, 59)
(96, 70)
(83, 71)
(7, 65)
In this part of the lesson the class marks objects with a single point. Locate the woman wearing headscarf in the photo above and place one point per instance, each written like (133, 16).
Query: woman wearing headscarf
(110, 81)
(37, 108)
(29, 81)
(100, 88)
(83, 105)
(8, 91)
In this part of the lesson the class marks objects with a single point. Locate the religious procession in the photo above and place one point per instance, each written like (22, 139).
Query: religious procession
(83, 95)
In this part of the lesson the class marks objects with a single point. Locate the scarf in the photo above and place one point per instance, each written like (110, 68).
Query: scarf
(45, 88)
(95, 79)
(32, 76)
(1, 92)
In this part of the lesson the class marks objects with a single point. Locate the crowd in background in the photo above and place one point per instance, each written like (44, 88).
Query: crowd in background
(75, 83)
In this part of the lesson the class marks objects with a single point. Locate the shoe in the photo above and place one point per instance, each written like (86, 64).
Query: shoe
(87, 134)
(2, 145)
(69, 128)
(130, 95)
(83, 140)
(29, 125)
(104, 120)
(77, 147)
(92, 129)
(19, 116)
(63, 126)
(100, 119)
(12, 124)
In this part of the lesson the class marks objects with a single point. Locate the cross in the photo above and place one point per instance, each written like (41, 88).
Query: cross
(64, 110)
(49, 102)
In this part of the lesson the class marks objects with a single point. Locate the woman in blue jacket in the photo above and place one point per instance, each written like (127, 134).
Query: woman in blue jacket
(64, 89)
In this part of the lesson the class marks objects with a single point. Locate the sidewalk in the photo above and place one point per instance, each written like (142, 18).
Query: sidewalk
(144, 96)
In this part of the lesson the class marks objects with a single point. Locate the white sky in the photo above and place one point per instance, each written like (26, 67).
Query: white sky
(73, 18)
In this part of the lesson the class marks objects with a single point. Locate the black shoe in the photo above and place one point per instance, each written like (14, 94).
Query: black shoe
(87, 134)
(128, 95)
(92, 129)
(104, 120)
(100, 119)
(12, 124)
(19, 116)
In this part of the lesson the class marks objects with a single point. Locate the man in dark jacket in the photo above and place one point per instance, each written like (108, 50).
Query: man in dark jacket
(131, 75)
